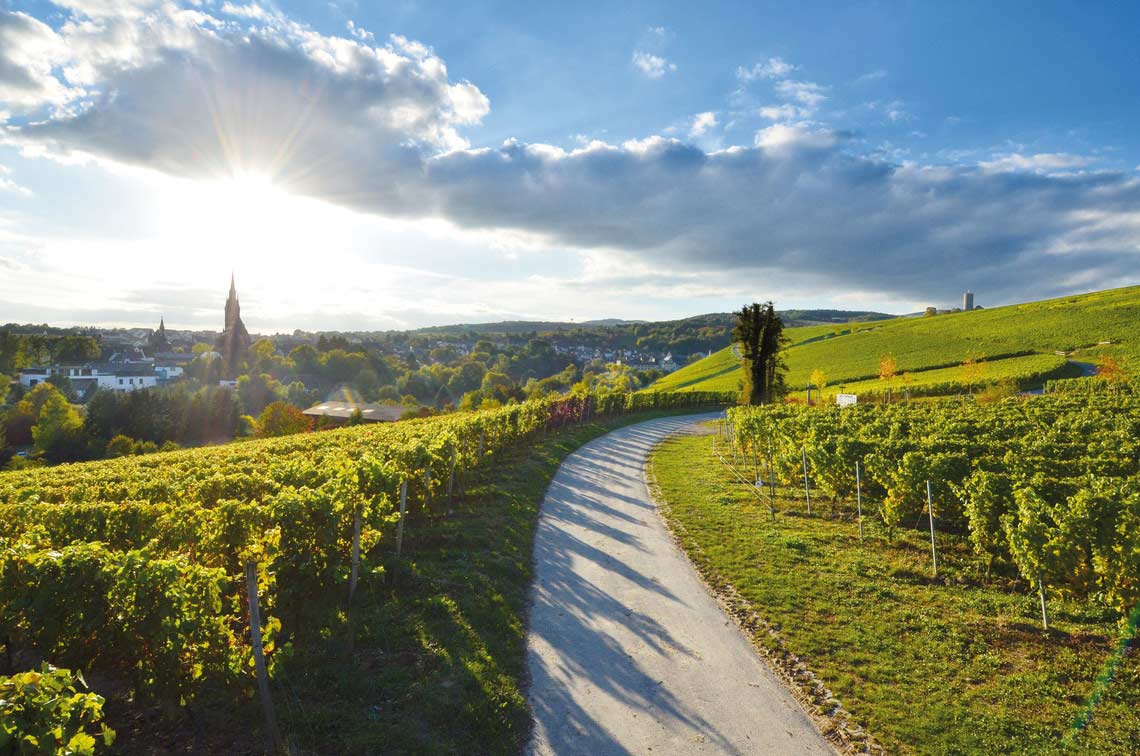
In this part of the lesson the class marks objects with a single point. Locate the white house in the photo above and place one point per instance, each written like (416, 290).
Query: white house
(86, 377)
(168, 372)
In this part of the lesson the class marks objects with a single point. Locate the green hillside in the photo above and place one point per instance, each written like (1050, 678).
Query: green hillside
(1017, 341)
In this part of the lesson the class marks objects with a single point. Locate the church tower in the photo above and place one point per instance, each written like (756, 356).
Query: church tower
(234, 342)
(158, 341)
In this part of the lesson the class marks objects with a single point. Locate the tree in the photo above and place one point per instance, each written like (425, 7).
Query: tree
(120, 446)
(760, 333)
(256, 391)
(58, 431)
(973, 370)
(282, 419)
(1109, 369)
(306, 360)
(930, 312)
(23, 416)
(818, 380)
(367, 382)
(888, 369)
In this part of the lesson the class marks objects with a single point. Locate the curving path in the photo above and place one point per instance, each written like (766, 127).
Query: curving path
(627, 651)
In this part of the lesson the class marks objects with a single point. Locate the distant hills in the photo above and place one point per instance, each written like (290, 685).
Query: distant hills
(688, 336)
(722, 319)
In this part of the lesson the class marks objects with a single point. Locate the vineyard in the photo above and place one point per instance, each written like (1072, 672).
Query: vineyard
(1047, 489)
(1005, 624)
(1017, 342)
(147, 570)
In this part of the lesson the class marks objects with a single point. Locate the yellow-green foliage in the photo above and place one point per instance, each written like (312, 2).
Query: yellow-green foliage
(134, 566)
(958, 377)
(849, 353)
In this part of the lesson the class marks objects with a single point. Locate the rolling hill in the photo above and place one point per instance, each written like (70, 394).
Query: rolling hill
(1026, 342)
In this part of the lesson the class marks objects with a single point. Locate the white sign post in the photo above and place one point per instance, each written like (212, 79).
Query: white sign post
(846, 400)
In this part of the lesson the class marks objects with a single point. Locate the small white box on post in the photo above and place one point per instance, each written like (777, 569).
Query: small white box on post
(846, 400)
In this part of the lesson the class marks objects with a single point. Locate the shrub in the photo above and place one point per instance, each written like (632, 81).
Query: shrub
(44, 712)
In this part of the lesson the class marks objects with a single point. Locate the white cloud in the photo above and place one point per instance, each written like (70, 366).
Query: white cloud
(702, 122)
(784, 136)
(29, 52)
(184, 93)
(1044, 162)
(8, 185)
(808, 93)
(785, 112)
(870, 76)
(896, 111)
(653, 66)
(362, 34)
(253, 11)
(773, 68)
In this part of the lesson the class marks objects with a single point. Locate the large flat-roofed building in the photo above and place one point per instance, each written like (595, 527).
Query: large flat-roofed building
(340, 413)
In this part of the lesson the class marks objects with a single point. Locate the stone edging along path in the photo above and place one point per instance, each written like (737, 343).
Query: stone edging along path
(627, 650)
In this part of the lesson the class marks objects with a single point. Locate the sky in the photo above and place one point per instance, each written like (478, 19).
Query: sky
(362, 166)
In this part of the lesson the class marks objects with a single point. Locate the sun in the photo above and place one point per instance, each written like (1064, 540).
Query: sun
(245, 207)
(241, 221)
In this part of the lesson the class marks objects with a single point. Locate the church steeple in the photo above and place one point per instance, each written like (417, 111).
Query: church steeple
(235, 339)
(233, 307)
(158, 341)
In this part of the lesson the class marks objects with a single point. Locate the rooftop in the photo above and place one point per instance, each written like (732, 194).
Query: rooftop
(380, 413)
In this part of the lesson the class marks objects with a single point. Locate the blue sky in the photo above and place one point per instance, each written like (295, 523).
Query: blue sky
(367, 165)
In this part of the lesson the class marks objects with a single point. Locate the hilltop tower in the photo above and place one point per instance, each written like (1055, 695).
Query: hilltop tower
(968, 301)
(234, 342)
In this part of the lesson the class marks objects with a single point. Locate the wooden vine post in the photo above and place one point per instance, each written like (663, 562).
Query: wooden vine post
(355, 574)
(859, 499)
(403, 513)
(451, 478)
(771, 482)
(1041, 594)
(930, 511)
(756, 461)
(807, 489)
(259, 658)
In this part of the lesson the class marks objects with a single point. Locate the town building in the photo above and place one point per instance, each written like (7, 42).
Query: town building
(339, 413)
(86, 379)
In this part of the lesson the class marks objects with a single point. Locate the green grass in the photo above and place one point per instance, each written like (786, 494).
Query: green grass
(438, 659)
(955, 665)
(1015, 368)
(850, 352)
(717, 372)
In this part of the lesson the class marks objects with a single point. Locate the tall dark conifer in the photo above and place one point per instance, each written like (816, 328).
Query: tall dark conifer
(760, 334)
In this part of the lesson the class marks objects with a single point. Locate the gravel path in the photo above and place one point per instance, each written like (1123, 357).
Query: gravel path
(627, 651)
